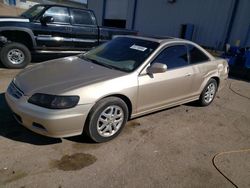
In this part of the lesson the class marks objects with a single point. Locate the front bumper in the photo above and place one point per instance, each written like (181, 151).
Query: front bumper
(49, 122)
(3, 40)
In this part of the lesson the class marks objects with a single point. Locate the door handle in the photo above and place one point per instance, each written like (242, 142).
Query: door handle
(188, 74)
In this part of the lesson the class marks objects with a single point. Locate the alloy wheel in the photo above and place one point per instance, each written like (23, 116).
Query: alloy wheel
(210, 92)
(110, 121)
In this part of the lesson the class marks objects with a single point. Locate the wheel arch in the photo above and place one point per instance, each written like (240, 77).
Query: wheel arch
(205, 81)
(217, 79)
(125, 99)
(120, 96)
(21, 35)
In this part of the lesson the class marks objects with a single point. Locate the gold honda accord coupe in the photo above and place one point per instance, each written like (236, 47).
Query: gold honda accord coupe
(97, 92)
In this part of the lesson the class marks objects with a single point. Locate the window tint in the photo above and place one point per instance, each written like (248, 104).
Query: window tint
(173, 57)
(196, 56)
(81, 17)
(33, 11)
(60, 14)
(123, 53)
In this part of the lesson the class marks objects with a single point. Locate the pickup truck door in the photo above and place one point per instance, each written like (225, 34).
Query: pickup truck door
(84, 29)
(56, 35)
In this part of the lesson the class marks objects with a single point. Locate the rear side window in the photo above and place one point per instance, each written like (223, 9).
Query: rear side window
(60, 14)
(196, 55)
(81, 17)
(173, 57)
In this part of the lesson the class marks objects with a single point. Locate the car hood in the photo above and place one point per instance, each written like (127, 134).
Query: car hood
(62, 75)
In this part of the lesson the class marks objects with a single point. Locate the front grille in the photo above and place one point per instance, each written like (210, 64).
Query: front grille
(14, 91)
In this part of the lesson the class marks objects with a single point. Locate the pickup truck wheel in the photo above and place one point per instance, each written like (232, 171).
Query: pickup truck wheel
(15, 55)
(106, 119)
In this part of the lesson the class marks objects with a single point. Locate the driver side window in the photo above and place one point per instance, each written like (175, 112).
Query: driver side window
(60, 14)
(173, 56)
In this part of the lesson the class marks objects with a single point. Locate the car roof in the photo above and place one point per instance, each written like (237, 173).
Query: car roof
(155, 38)
(166, 39)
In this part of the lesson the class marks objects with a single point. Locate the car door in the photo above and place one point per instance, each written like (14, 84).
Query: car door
(85, 29)
(56, 35)
(162, 89)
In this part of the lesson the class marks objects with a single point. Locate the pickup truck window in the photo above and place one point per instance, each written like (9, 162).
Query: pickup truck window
(122, 53)
(81, 17)
(60, 14)
(33, 11)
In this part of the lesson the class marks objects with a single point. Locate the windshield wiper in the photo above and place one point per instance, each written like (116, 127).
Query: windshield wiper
(23, 15)
(105, 65)
(102, 64)
(97, 62)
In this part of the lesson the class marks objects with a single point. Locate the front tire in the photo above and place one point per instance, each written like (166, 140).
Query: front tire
(208, 94)
(106, 119)
(15, 55)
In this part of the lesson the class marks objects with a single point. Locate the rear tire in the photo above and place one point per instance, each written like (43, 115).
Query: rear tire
(208, 94)
(106, 119)
(15, 55)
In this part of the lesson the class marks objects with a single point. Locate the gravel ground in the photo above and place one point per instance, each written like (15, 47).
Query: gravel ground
(170, 148)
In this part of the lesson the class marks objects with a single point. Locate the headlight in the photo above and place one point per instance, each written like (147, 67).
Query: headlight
(53, 101)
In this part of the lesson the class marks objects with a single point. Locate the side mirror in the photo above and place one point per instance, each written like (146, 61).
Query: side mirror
(157, 68)
(47, 19)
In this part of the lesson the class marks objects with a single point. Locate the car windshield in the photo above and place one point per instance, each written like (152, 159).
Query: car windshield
(33, 11)
(122, 53)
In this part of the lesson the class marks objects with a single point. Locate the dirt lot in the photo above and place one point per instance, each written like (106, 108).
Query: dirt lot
(9, 10)
(171, 148)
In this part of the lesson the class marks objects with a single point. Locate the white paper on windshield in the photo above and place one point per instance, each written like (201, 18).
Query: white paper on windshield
(140, 48)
